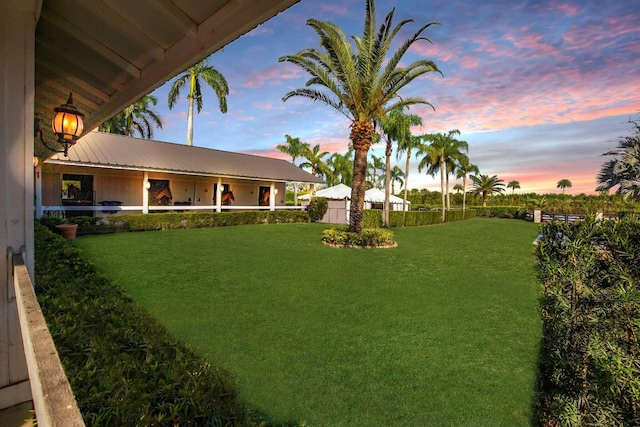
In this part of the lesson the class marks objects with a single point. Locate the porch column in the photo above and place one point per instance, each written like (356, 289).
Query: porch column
(272, 197)
(145, 192)
(219, 195)
(17, 68)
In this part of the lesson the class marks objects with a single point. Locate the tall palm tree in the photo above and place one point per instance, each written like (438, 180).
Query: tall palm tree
(294, 148)
(442, 148)
(464, 169)
(412, 142)
(363, 84)
(396, 126)
(564, 183)
(486, 185)
(193, 75)
(375, 166)
(396, 175)
(315, 160)
(513, 185)
(138, 117)
(624, 169)
(340, 168)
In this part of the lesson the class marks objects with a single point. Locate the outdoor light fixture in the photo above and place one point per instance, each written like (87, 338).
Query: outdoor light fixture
(66, 125)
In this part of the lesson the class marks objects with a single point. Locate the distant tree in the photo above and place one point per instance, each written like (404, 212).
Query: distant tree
(315, 160)
(564, 183)
(458, 188)
(396, 176)
(486, 185)
(192, 76)
(624, 169)
(513, 185)
(361, 84)
(464, 169)
(340, 168)
(138, 117)
(375, 165)
(296, 149)
(442, 148)
(405, 146)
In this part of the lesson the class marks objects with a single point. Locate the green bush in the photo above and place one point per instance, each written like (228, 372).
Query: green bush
(590, 357)
(371, 218)
(318, 207)
(370, 237)
(513, 212)
(177, 220)
(419, 218)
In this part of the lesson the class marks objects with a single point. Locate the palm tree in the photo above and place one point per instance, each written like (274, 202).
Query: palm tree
(294, 148)
(442, 148)
(396, 175)
(363, 85)
(623, 170)
(465, 167)
(138, 117)
(486, 185)
(396, 125)
(458, 188)
(340, 168)
(193, 75)
(375, 166)
(315, 160)
(564, 183)
(513, 185)
(406, 145)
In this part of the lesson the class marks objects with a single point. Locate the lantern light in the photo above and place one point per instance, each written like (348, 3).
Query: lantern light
(66, 125)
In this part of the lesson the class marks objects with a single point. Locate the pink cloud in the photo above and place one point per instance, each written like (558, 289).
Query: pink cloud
(273, 75)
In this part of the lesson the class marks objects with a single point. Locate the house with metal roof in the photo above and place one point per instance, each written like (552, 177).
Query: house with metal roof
(107, 174)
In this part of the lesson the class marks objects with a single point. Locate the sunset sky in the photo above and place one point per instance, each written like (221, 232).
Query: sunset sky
(539, 89)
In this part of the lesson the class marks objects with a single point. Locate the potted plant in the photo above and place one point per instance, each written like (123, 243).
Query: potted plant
(68, 230)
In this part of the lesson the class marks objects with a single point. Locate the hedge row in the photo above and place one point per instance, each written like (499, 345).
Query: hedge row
(370, 237)
(372, 218)
(123, 366)
(514, 212)
(590, 361)
(174, 220)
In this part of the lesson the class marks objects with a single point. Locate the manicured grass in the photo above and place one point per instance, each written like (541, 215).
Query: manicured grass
(442, 330)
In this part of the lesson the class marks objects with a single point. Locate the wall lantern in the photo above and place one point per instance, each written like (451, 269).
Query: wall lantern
(66, 125)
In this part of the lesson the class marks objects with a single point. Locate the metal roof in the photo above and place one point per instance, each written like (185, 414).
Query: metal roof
(109, 53)
(106, 150)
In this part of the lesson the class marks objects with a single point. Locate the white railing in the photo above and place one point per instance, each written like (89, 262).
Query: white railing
(164, 208)
(50, 390)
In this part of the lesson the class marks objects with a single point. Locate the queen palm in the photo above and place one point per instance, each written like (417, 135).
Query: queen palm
(138, 117)
(464, 169)
(363, 85)
(375, 166)
(396, 175)
(396, 126)
(513, 185)
(340, 168)
(315, 160)
(410, 143)
(193, 75)
(487, 185)
(443, 149)
(294, 148)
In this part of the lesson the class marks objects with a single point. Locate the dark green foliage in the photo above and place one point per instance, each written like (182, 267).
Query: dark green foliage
(590, 362)
(86, 224)
(124, 369)
(512, 212)
(317, 208)
(371, 218)
(175, 220)
(418, 218)
(369, 237)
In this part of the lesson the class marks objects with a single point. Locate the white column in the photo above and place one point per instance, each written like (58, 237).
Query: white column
(145, 193)
(17, 69)
(272, 197)
(38, 189)
(219, 195)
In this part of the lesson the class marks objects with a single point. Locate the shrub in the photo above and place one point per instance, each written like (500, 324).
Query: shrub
(419, 218)
(124, 368)
(318, 207)
(371, 218)
(370, 237)
(177, 220)
(513, 212)
(590, 357)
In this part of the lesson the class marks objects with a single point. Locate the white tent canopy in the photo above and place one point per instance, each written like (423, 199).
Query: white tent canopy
(341, 192)
(375, 195)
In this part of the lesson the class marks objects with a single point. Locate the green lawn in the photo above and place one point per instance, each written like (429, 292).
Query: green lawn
(442, 330)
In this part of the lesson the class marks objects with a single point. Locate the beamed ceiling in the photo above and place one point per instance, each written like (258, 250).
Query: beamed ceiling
(109, 53)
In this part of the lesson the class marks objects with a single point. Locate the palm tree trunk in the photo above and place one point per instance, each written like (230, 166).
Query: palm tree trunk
(387, 184)
(448, 194)
(357, 189)
(464, 194)
(295, 194)
(443, 171)
(190, 122)
(406, 184)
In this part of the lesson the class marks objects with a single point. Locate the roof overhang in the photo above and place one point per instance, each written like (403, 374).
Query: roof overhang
(109, 53)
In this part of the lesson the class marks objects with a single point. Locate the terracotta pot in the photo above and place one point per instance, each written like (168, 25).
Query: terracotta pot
(68, 231)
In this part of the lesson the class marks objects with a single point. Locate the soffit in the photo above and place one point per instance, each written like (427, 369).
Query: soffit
(109, 53)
